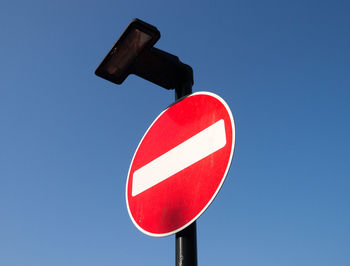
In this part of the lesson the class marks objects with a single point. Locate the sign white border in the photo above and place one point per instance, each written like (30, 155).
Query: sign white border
(222, 180)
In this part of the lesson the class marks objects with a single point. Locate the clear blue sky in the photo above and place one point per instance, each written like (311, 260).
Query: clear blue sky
(67, 136)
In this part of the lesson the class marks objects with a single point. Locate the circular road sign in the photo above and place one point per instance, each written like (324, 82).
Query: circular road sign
(180, 164)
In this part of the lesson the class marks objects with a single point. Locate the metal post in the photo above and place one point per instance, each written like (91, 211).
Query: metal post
(186, 246)
(186, 89)
(186, 240)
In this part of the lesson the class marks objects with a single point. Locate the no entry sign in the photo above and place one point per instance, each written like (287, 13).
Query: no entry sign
(180, 164)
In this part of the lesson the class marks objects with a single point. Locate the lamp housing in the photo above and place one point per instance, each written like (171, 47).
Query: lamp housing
(118, 63)
(134, 53)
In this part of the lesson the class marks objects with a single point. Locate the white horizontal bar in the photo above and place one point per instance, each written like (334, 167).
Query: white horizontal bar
(182, 156)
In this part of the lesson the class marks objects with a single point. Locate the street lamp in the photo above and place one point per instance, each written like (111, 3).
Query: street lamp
(134, 53)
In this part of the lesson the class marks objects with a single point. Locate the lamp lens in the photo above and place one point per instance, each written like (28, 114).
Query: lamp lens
(123, 55)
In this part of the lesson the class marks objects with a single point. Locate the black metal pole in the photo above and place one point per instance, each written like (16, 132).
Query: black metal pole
(185, 89)
(186, 246)
(186, 240)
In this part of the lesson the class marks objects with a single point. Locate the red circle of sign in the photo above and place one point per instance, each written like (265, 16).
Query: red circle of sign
(174, 203)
